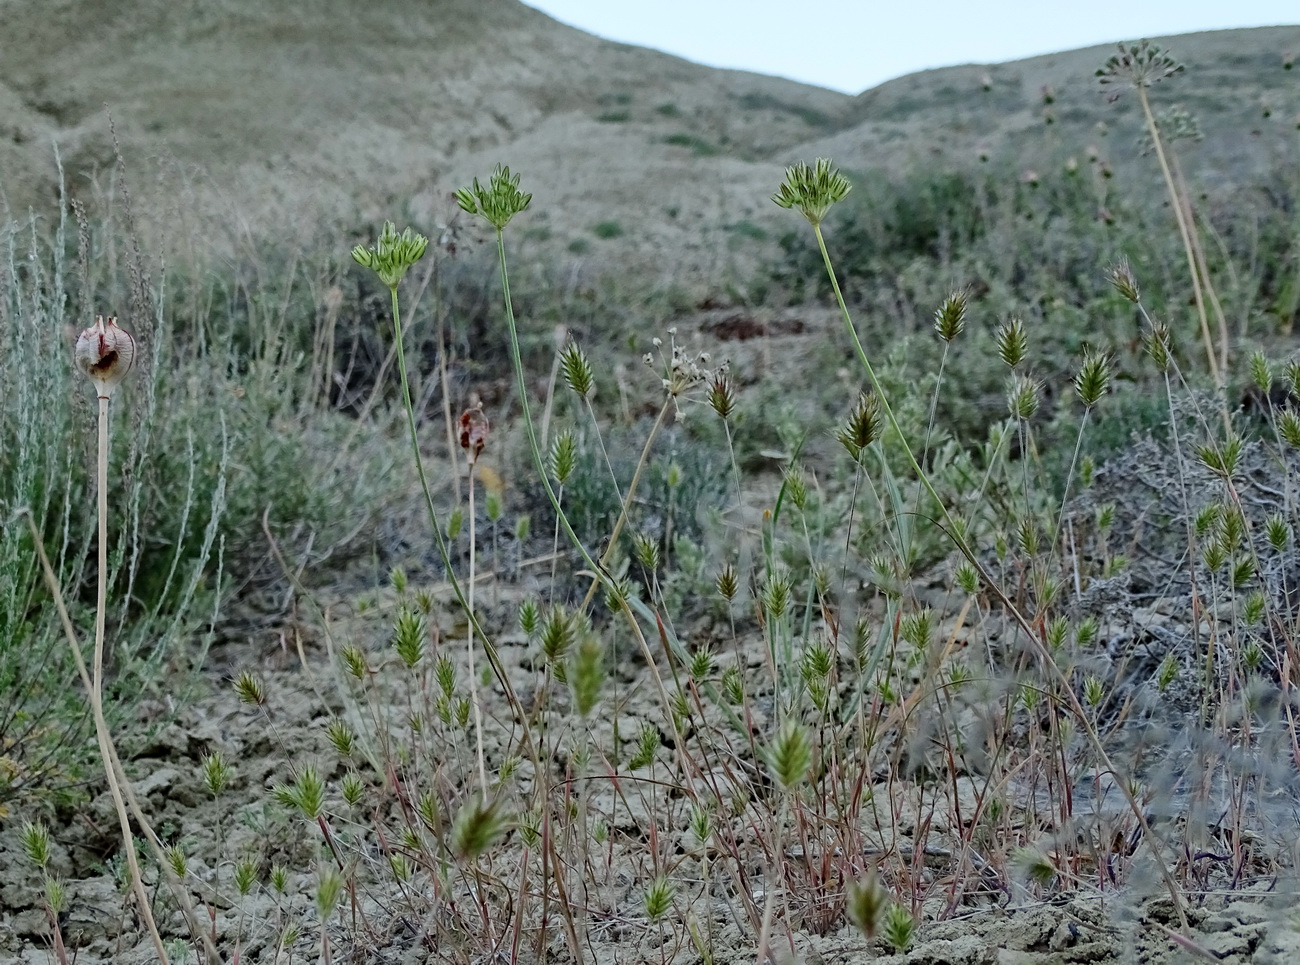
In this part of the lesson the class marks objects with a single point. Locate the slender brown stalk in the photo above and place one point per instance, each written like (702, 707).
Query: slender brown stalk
(1185, 231)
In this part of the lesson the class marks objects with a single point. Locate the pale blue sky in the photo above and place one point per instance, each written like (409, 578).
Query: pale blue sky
(851, 46)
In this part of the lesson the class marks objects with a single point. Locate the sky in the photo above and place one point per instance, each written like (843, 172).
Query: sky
(852, 45)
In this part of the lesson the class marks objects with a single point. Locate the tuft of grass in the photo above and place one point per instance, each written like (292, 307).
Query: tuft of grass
(692, 142)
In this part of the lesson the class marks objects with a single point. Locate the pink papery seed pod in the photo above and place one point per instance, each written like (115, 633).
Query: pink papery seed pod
(474, 429)
(105, 353)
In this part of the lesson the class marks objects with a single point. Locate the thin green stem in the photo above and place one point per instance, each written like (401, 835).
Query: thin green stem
(1069, 477)
(444, 553)
(600, 440)
(875, 384)
(631, 492)
(599, 571)
(538, 461)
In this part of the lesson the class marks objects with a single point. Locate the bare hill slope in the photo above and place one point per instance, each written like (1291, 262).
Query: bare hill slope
(276, 117)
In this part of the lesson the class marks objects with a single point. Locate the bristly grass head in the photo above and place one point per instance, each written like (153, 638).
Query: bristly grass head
(790, 756)
(722, 395)
(576, 368)
(1023, 396)
(392, 254)
(1136, 65)
(1093, 379)
(587, 675)
(1013, 342)
(306, 794)
(950, 317)
(812, 189)
(408, 636)
(35, 838)
(250, 690)
(216, 771)
(862, 427)
(478, 826)
(867, 901)
(1125, 282)
(899, 928)
(1158, 346)
(1222, 460)
(1261, 372)
(563, 457)
(727, 582)
(659, 898)
(498, 201)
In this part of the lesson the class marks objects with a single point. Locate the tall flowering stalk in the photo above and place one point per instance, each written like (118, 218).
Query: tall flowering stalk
(106, 353)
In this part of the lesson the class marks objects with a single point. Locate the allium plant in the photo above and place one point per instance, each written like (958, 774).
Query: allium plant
(105, 353)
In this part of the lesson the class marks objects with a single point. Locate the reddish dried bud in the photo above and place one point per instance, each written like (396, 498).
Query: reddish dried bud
(105, 353)
(474, 429)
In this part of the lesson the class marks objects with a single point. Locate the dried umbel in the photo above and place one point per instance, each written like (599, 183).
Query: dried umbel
(105, 353)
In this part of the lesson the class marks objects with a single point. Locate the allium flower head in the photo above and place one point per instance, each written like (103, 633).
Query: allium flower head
(1136, 65)
(812, 189)
(105, 353)
(392, 254)
(474, 429)
(498, 202)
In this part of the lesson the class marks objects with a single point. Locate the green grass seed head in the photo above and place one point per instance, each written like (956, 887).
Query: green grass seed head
(722, 395)
(950, 317)
(408, 636)
(478, 826)
(659, 898)
(216, 771)
(1093, 379)
(1012, 342)
(790, 755)
(862, 426)
(1023, 395)
(245, 875)
(587, 674)
(563, 457)
(305, 794)
(353, 788)
(866, 902)
(249, 689)
(35, 839)
(329, 888)
(577, 371)
(1123, 280)
(1261, 372)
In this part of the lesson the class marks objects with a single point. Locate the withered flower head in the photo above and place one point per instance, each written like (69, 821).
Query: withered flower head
(474, 428)
(105, 353)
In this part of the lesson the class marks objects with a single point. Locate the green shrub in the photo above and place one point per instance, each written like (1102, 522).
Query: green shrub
(698, 145)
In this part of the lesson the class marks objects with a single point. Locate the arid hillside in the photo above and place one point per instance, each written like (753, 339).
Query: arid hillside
(274, 118)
